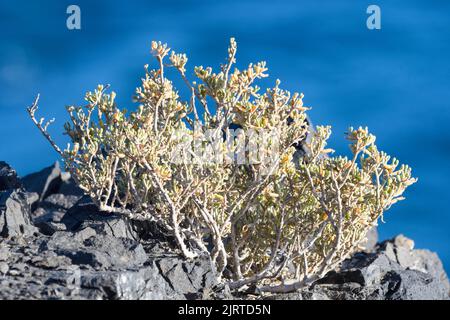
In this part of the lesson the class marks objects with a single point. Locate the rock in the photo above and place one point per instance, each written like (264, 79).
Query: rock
(43, 214)
(413, 285)
(425, 261)
(371, 240)
(86, 214)
(68, 187)
(50, 260)
(97, 251)
(143, 284)
(187, 278)
(4, 252)
(49, 227)
(49, 212)
(31, 197)
(48, 215)
(15, 219)
(8, 177)
(394, 271)
(402, 242)
(84, 265)
(3, 267)
(61, 200)
(44, 182)
(429, 262)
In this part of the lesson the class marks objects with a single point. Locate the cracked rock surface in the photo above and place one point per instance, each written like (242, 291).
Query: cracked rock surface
(55, 244)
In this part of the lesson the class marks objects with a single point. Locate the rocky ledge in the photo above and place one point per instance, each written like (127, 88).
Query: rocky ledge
(55, 244)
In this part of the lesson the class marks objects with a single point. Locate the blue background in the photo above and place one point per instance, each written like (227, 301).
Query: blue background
(395, 80)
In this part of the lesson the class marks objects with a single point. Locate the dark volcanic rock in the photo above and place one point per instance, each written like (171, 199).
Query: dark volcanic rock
(86, 214)
(61, 200)
(59, 195)
(48, 215)
(187, 278)
(394, 271)
(84, 265)
(412, 285)
(44, 182)
(69, 188)
(97, 251)
(83, 253)
(15, 217)
(8, 177)
(143, 284)
(52, 180)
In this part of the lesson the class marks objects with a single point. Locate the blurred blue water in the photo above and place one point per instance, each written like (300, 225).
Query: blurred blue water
(395, 80)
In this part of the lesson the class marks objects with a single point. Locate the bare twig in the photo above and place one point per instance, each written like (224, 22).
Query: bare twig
(32, 111)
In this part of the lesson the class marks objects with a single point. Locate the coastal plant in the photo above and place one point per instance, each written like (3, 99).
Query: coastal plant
(232, 171)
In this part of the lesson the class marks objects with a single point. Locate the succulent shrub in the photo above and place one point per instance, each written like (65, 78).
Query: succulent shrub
(223, 173)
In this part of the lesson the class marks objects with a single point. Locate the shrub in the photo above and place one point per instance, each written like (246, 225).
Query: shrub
(223, 172)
